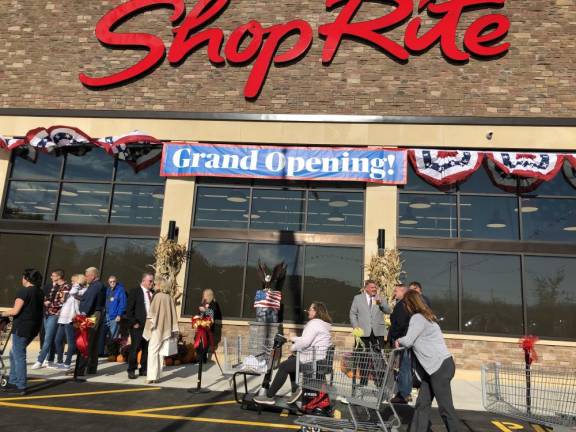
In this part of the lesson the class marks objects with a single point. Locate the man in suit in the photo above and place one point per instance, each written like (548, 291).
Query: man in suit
(91, 305)
(139, 300)
(367, 312)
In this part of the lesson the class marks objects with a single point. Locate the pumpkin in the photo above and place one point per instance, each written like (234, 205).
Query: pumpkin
(168, 361)
(120, 358)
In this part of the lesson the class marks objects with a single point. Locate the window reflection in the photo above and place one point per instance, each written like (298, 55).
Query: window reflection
(489, 217)
(337, 212)
(428, 215)
(480, 182)
(219, 266)
(222, 207)
(438, 274)
(551, 296)
(548, 219)
(96, 164)
(151, 174)
(17, 253)
(140, 205)
(275, 209)
(334, 276)
(127, 259)
(416, 183)
(47, 166)
(272, 255)
(31, 200)
(84, 203)
(74, 254)
(491, 294)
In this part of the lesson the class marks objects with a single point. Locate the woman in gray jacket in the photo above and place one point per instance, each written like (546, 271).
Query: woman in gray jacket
(434, 364)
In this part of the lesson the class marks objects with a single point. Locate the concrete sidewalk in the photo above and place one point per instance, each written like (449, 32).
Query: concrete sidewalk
(466, 386)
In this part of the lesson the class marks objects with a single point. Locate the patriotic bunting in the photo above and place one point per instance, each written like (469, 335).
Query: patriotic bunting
(136, 148)
(510, 183)
(442, 167)
(543, 166)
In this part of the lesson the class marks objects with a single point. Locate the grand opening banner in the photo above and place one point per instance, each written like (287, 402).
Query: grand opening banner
(375, 165)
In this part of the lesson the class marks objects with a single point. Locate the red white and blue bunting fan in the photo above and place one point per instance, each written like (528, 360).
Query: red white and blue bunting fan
(445, 167)
(570, 169)
(543, 166)
(134, 148)
(511, 183)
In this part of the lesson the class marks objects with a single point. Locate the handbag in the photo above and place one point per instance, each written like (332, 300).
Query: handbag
(169, 347)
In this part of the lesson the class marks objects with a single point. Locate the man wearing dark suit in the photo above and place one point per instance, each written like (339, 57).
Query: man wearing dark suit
(91, 306)
(367, 312)
(139, 300)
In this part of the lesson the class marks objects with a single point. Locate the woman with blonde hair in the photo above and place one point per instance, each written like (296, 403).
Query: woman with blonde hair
(209, 307)
(434, 364)
(161, 329)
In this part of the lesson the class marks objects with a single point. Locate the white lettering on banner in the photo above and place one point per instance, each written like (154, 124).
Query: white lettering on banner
(270, 163)
(230, 161)
(179, 160)
(310, 164)
(295, 164)
(213, 161)
(250, 162)
(196, 159)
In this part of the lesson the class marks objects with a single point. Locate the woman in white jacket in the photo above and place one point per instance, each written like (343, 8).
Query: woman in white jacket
(312, 345)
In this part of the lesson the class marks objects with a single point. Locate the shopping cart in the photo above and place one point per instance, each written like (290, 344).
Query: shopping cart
(535, 394)
(253, 356)
(5, 332)
(364, 378)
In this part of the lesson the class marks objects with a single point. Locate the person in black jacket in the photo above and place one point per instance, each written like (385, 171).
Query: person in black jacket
(28, 314)
(399, 321)
(139, 300)
(417, 286)
(91, 305)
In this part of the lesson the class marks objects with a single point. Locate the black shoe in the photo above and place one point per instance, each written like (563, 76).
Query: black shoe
(142, 372)
(398, 399)
(13, 390)
(131, 375)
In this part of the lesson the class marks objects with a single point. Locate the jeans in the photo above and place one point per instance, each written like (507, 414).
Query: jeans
(286, 369)
(65, 332)
(110, 329)
(50, 328)
(18, 361)
(404, 380)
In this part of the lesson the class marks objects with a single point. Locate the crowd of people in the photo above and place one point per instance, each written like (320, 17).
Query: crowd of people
(150, 315)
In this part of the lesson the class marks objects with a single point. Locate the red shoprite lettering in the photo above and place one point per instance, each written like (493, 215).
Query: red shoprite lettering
(252, 42)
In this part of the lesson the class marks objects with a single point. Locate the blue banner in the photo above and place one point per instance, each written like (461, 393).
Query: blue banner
(375, 165)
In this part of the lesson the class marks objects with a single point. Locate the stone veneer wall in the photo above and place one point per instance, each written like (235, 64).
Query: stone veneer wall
(469, 354)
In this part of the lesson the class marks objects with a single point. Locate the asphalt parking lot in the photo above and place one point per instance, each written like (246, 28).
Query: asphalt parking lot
(87, 406)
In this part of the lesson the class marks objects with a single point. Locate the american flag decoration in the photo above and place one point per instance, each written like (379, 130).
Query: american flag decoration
(444, 167)
(268, 299)
(511, 183)
(543, 166)
(134, 148)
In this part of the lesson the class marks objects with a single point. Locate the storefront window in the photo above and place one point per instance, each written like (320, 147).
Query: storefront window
(219, 266)
(280, 206)
(74, 254)
(489, 217)
(82, 195)
(17, 253)
(127, 259)
(428, 215)
(333, 275)
(437, 272)
(548, 219)
(551, 296)
(491, 294)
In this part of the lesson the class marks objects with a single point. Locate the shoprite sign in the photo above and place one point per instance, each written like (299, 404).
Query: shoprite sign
(374, 165)
(263, 46)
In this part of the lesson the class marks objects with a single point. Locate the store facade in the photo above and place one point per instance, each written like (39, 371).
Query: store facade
(496, 260)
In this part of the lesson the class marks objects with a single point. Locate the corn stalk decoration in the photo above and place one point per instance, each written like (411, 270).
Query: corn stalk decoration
(169, 257)
(386, 271)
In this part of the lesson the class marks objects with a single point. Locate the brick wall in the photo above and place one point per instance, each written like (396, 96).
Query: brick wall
(468, 354)
(46, 44)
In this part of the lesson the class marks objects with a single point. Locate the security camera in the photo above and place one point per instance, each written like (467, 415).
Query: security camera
(489, 135)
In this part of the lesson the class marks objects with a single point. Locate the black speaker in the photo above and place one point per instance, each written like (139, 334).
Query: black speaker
(172, 230)
(381, 239)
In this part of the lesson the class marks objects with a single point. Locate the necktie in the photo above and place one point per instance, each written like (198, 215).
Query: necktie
(149, 296)
(370, 304)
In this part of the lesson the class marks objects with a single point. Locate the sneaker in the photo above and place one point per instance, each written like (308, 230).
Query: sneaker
(55, 365)
(47, 364)
(295, 395)
(12, 389)
(62, 366)
(37, 365)
(264, 400)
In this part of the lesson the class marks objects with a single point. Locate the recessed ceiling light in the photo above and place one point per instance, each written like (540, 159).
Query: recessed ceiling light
(408, 221)
(158, 196)
(43, 208)
(236, 197)
(69, 193)
(570, 228)
(338, 202)
(252, 216)
(496, 225)
(529, 209)
(420, 203)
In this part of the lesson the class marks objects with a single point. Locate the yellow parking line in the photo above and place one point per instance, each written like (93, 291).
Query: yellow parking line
(37, 380)
(66, 395)
(174, 407)
(151, 416)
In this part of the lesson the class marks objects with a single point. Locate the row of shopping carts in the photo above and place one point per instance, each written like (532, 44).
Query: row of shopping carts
(365, 380)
